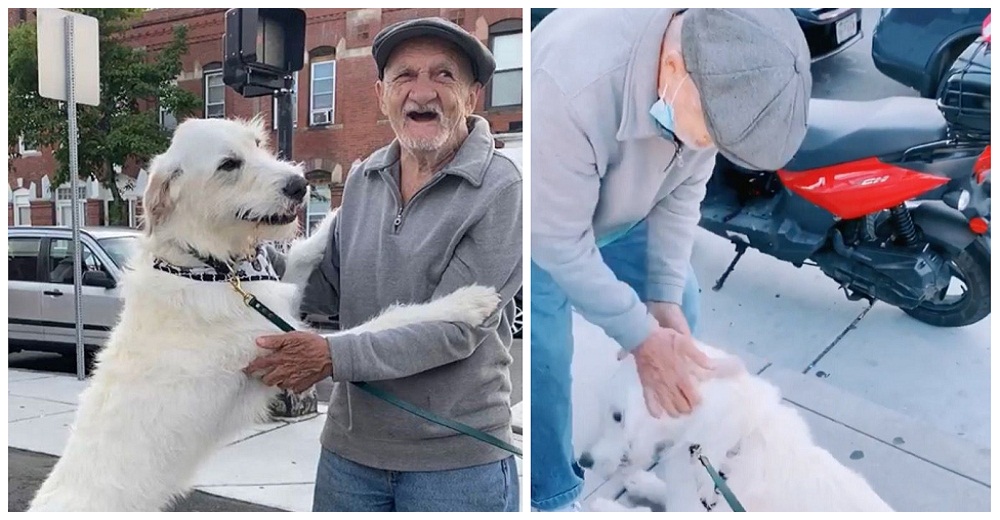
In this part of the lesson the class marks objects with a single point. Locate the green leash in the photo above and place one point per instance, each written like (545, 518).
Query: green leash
(720, 483)
(463, 429)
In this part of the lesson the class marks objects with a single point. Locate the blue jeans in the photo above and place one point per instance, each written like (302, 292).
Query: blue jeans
(342, 485)
(556, 479)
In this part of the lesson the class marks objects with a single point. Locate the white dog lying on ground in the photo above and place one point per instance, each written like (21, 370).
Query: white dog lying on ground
(169, 387)
(762, 446)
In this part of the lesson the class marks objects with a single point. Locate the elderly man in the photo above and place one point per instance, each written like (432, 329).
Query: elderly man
(629, 108)
(436, 210)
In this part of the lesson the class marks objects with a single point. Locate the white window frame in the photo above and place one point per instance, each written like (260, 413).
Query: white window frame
(64, 199)
(499, 71)
(309, 211)
(133, 218)
(25, 151)
(207, 77)
(295, 104)
(312, 93)
(164, 113)
(22, 201)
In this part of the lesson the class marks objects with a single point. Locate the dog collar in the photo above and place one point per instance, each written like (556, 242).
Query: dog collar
(252, 269)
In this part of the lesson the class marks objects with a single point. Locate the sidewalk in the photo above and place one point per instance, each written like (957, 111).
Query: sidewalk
(270, 464)
(905, 404)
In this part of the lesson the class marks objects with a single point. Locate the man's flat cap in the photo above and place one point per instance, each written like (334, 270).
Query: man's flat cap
(390, 37)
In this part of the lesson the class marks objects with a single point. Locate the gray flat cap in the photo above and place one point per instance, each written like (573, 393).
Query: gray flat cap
(751, 67)
(388, 38)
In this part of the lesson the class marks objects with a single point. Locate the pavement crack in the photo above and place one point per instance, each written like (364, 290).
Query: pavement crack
(206, 486)
(891, 445)
(234, 443)
(41, 416)
(849, 328)
(35, 397)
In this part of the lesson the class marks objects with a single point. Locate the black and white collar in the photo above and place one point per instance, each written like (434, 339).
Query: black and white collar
(251, 269)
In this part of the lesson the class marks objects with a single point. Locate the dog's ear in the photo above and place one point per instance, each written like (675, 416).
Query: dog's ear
(156, 201)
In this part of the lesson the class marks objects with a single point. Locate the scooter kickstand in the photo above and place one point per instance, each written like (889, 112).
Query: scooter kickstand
(740, 249)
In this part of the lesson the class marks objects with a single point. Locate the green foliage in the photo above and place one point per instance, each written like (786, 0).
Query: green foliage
(125, 126)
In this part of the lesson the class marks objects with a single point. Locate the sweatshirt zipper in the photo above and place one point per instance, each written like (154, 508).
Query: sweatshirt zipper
(401, 210)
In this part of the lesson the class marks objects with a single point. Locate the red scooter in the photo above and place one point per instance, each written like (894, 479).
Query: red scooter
(889, 198)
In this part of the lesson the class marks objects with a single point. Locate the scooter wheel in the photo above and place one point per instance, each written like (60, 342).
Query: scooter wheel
(971, 268)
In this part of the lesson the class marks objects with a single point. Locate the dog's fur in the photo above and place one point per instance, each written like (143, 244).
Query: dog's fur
(762, 446)
(169, 387)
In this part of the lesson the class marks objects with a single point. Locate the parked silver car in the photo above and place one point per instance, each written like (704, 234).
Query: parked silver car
(41, 313)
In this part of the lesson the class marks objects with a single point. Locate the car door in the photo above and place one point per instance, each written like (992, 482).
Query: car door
(100, 305)
(24, 289)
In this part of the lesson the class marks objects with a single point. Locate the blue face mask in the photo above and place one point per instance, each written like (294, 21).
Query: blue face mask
(663, 112)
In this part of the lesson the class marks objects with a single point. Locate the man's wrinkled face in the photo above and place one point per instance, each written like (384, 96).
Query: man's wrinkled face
(427, 92)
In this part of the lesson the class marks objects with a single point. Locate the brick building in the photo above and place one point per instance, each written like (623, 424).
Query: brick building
(337, 121)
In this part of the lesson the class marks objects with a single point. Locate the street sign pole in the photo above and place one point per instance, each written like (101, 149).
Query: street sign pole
(69, 71)
(74, 179)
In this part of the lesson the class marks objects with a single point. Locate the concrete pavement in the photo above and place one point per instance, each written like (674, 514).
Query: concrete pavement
(903, 403)
(272, 465)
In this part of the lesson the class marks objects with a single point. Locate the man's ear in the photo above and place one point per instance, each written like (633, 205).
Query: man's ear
(473, 100)
(379, 91)
(157, 203)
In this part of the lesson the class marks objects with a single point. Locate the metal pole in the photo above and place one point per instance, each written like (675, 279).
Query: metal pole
(288, 405)
(285, 119)
(74, 180)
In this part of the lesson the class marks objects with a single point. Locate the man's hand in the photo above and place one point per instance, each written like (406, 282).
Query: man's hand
(669, 315)
(298, 360)
(666, 362)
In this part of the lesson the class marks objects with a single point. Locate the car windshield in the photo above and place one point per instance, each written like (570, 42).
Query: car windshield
(119, 248)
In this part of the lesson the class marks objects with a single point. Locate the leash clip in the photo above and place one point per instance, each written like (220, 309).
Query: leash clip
(234, 281)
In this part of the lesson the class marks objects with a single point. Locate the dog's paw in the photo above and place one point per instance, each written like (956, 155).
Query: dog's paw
(605, 505)
(472, 304)
(647, 486)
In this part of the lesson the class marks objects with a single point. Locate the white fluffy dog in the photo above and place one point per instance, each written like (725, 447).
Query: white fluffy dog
(762, 446)
(169, 386)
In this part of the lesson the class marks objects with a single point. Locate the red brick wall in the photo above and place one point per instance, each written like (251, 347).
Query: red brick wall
(358, 129)
(42, 213)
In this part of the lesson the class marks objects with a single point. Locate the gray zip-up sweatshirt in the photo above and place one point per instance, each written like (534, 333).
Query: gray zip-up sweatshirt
(600, 164)
(463, 227)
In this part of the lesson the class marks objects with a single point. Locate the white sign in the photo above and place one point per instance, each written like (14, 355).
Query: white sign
(52, 56)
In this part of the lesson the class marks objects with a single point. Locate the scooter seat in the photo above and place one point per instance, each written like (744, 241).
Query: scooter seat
(842, 131)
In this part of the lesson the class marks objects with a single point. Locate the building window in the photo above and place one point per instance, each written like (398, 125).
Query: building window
(505, 43)
(167, 120)
(25, 147)
(64, 205)
(322, 92)
(133, 214)
(22, 210)
(319, 206)
(215, 95)
(295, 103)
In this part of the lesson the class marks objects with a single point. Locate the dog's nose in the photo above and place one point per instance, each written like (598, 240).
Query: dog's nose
(295, 188)
(586, 461)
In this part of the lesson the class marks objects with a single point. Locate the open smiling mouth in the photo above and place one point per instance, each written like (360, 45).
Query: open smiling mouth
(422, 116)
(276, 219)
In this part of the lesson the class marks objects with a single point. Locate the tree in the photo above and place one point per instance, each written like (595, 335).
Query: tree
(124, 127)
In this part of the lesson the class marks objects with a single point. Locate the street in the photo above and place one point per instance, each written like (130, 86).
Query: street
(851, 75)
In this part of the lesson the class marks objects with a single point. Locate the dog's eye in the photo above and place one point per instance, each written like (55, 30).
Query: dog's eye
(617, 416)
(230, 164)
